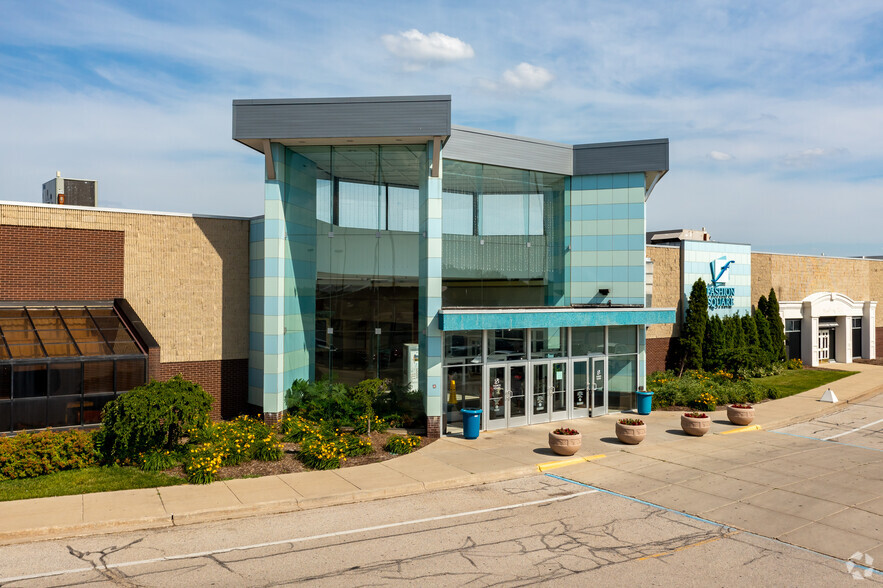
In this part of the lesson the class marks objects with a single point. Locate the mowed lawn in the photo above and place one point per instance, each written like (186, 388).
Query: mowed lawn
(793, 382)
(85, 481)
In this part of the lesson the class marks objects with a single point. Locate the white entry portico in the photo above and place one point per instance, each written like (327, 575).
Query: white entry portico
(829, 326)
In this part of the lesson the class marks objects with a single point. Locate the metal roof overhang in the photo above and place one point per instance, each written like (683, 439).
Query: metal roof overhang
(469, 319)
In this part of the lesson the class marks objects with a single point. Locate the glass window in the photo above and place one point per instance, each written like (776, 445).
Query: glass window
(548, 343)
(361, 205)
(61, 350)
(29, 414)
(92, 407)
(130, 374)
(5, 417)
(856, 322)
(622, 340)
(5, 383)
(64, 412)
(512, 214)
(404, 209)
(462, 347)
(587, 341)
(506, 345)
(792, 325)
(622, 382)
(26, 351)
(323, 200)
(98, 377)
(457, 213)
(29, 380)
(65, 379)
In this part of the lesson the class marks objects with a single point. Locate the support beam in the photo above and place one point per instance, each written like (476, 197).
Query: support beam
(268, 161)
(436, 156)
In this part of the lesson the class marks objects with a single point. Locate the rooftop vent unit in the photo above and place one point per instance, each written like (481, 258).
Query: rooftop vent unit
(70, 192)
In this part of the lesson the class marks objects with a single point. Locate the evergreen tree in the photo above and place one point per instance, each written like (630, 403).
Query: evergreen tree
(735, 334)
(695, 320)
(763, 306)
(749, 327)
(715, 344)
(763, 331)
(777, 327)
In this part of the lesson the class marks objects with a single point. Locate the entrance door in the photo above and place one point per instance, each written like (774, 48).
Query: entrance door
(506, 394)
(539, 405)
(558, 389)
(824, 344)
(581, 388)
(598, 381)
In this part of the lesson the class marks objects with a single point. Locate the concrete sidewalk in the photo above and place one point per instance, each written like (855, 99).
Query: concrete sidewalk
(447, 463)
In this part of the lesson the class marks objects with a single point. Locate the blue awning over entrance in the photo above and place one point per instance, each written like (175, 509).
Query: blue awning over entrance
(469, 319)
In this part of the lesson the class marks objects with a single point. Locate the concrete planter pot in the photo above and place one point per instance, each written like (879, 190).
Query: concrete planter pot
(630, 434)
(565, 444)
(740, 416)
(695, 426)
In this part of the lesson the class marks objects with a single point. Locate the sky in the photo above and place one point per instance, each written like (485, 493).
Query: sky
(774, 110)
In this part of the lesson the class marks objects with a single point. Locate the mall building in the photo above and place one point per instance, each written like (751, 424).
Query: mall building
(485, 270)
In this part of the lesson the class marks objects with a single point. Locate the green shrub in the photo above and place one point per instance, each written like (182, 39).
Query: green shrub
(376, 424)
(355, 445)
(156, 461)
(695, 321)
(27, 455)
(240, 440)
(294, 428)
(152, 417)
(702, 390)
(323, 401)
(402, 444)
(322, 451)
(202, 463)
(400, 405)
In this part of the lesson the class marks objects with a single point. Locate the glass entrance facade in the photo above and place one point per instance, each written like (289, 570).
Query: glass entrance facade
(518, 377)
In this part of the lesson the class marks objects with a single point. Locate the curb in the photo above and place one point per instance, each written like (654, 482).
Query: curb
(551, 465)
(741, 430)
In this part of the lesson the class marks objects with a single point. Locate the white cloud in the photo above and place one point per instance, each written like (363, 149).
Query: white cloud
(720, 156)
(418, 50)
(525, 76)
(810, 157)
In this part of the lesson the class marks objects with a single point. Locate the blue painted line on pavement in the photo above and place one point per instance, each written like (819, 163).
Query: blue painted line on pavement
(695, 518)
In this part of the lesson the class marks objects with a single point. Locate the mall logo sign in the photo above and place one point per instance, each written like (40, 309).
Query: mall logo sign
(719, 296)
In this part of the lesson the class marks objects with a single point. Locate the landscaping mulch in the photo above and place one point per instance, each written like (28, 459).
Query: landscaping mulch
(290, 464)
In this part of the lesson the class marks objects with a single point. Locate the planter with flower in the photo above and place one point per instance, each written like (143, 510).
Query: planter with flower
(565, 441)
(695, 423)
(740, 414)
(631, 431)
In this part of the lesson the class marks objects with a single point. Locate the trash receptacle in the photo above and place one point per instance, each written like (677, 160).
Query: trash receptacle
(645, 401)
(471, 422)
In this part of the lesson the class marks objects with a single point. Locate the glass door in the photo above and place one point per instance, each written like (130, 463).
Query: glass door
(507, 395)
(598, 381)
(539, 406)
(558, 390)
(581, 388)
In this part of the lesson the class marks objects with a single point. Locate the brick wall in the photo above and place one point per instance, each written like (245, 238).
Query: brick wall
(225, 380)
(661, 354)
(51, 263)
(879, 342)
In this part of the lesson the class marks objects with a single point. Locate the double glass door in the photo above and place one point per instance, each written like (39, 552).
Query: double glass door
(522, 393)
(589, 393)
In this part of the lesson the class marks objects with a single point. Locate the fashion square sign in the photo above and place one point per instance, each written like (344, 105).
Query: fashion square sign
(719, 296)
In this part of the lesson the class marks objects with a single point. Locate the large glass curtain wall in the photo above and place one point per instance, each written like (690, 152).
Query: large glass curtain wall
(59, 366)
(366, 235)
(503, 236)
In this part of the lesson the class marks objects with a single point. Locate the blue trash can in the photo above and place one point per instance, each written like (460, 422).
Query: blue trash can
(645, 401)
(471, 422)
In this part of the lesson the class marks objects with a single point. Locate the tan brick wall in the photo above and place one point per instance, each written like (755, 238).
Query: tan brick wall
(186, 277)
(795, 277)
(666, 285)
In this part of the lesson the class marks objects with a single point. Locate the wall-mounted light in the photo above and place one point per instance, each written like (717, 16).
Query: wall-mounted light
(604, 291)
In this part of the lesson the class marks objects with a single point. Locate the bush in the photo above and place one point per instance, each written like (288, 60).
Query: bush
(376, 424)
(156, 461)
(202, 463)
(28, 455)
(240, 440)
(702, 390)
(323, 401)
(322, 451)
(295, 428)
(401, 405)
(150, 418)
(402, 444)
(356, 445)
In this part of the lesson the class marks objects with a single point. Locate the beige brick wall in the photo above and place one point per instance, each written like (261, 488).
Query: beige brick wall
(666, 285)
(797, 276)
(186, 277)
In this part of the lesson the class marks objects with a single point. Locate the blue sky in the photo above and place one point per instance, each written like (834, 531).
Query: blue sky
(774, 109)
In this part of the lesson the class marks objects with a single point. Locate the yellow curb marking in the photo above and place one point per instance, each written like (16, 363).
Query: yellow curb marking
(697, 544)
(551, 465)
(742, 429)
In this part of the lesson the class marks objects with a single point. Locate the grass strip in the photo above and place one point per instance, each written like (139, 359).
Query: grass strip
(84, 481)
(796, 381)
